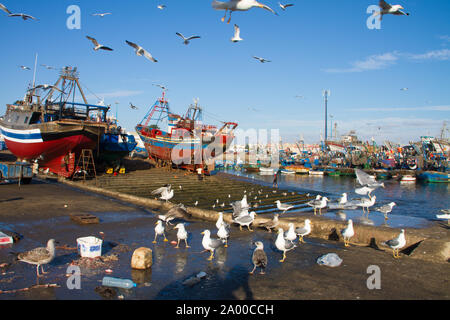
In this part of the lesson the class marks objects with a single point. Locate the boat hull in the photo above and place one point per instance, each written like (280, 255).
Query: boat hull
(434, 177)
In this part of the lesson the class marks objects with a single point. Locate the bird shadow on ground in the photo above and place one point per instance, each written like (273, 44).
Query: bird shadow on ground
(214, 287)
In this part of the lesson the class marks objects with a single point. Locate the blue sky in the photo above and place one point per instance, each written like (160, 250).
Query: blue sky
(313, 45)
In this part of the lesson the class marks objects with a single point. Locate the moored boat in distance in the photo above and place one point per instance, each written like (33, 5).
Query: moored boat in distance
(434, 176)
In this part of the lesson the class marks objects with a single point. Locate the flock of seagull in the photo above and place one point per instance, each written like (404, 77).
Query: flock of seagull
(285, 240)
(227, 6)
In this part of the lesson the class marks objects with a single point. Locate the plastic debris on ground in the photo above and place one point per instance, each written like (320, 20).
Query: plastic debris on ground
(192, 281)
(330, 260)
(5, 239)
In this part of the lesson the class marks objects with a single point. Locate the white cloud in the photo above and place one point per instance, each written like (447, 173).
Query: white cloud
(442, 55)
(374, 62)
(395, 109)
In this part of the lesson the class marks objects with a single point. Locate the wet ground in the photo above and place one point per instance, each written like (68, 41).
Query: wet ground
(41, 211)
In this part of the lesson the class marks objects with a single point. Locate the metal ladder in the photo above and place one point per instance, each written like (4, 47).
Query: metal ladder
(86, 166)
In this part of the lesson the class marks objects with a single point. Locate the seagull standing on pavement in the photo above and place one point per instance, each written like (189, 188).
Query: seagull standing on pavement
(348, 232)
(396, 244)
(282, 244)
(259, 258)
(159, 231)
(181, 235)
(283, 207)
(303, 231)
(387, 208)
(39, 256)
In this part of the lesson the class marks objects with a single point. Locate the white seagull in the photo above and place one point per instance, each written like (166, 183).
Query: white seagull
(98, 46)
(181, 235)
(237, 34)
(141, 51)
(318, 203)
(303, 231)
(282, 244)
(223, 233)
(290, 234)
(161, 6)
(262, 60)
(25, 68)
(245, 220)
(48, 67)
(187, 40)
(159, 231)
(22, 15)
(101, 14)
(283, 207)
(445, 215)
(348, 232)
(238, 5)
(386, 8)
(396, 244)
(3, 8)
(387, 208)
(39, 256)
(284, 6)
(210, 244)
(271, 224)
(367, 203)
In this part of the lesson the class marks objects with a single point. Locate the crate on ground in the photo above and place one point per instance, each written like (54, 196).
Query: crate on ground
(84, 218)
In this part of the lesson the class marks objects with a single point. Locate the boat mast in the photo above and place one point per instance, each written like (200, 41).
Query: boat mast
(34, 74)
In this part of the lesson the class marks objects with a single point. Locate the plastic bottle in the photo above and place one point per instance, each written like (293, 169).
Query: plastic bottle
(119, 283)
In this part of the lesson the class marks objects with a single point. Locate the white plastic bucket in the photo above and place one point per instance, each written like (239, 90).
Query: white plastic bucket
(89, 247)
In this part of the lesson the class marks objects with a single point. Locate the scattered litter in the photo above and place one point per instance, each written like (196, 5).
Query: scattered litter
(96, 263)
(4, 239)
(30, 288)
(173, 242)
(118, 283)
(108, 271)
(105, 292)
(330, 260)
(192, 281)
(89, 247)
(84, 218)
(4, 265)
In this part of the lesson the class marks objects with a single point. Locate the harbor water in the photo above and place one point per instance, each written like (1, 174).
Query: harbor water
(416, 203)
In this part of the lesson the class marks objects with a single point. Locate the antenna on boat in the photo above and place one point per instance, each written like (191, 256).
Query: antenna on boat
(35, 68)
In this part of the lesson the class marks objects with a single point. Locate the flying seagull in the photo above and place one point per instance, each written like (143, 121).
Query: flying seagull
(133, 106)
(48, 67)
(141, 51)
(101, 14)
(284, 6)
(46, 87)
(238, 5)
(186, 40)
(386, 8)
(24, 68)
(97, 45)
(161, 6)
(161, 86)
(237, 34)
(259, 258)
(404, 89)
(22, 15)
(262, 60)
(3, 8)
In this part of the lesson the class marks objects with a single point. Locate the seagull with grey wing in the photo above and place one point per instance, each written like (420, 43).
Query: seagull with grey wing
(22, 15)
(368, 183)
(101, 14)
(387, 8)
(396, 244)
(98, 46)
(133, 106)
(39, 256)
(3, 8)
(48, 67)
(259, 258)
(245, 220)
(161, 6)
(141, 51)
(271, 224)
(46, 87)
(284, 6)
(262, 60)
(210, 244)
(177, 212)
(238, 5)
(283, 207)
(303, 231)
(188, 39)
(387, 208)
(282, 244)
(24, 68)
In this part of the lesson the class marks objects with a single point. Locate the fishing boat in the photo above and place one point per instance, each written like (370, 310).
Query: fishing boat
(287, 172)
(434, 176)
(187, 142)
(114, 146)
(47, 125)
(298, 169)
(408, 178)
(266, 171)
(316, 173)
